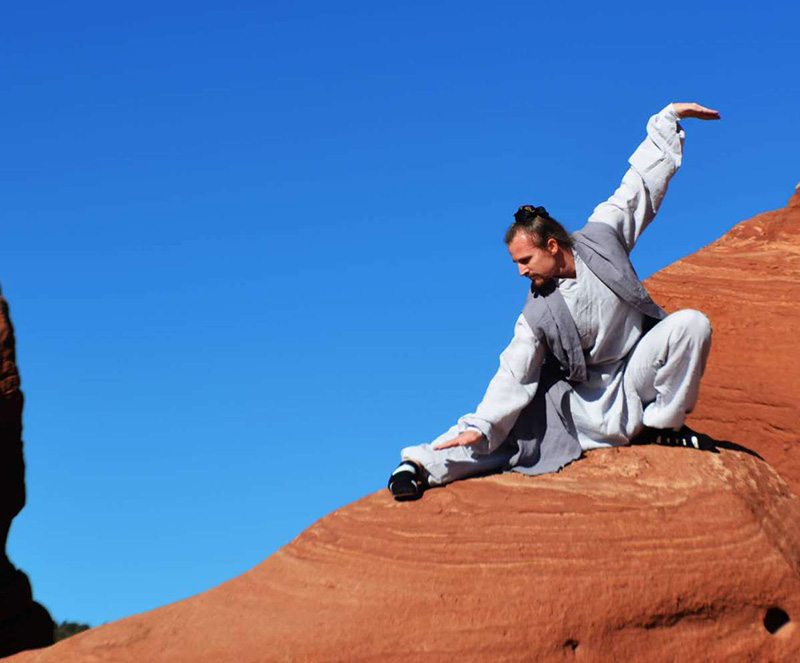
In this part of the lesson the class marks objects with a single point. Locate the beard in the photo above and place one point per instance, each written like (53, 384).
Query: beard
(546, 288)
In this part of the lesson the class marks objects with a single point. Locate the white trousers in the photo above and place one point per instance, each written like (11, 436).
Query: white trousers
(660, 380)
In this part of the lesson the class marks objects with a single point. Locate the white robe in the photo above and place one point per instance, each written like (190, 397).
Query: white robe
(609, 328)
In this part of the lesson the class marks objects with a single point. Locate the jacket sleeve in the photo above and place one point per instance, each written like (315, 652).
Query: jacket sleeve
(635, 203)
(510, 390)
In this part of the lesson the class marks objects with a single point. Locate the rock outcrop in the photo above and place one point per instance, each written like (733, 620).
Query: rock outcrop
(24, 624)
(631, 554)
(748, 283)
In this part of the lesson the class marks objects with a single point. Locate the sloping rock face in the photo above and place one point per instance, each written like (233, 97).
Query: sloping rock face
(631, 554)
(635, 554)
(23, 623)
(748, 283)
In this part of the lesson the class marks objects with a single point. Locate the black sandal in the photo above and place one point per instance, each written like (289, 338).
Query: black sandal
(405, 483)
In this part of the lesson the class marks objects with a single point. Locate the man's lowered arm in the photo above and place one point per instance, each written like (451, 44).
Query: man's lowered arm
(509, 392)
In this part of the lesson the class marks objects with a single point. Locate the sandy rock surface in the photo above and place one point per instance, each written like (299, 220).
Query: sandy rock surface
(632, 554)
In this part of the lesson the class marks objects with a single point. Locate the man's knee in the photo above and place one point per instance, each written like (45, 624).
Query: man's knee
(693, 323)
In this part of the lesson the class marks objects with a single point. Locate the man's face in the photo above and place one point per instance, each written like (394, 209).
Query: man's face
(535, 263)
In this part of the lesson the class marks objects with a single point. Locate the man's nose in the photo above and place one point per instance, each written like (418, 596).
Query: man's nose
(522, 269)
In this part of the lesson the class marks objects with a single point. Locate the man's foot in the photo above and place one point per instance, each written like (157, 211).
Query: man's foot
(406, 482)
(685, 437)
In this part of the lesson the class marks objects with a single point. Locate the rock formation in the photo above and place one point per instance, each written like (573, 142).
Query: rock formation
(640, 553)
(23, 623)
(748, 283)
(634, 554)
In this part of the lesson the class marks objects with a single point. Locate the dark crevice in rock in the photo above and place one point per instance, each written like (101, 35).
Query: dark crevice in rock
(669, 619)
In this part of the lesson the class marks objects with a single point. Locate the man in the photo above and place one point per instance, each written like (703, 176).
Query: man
(594, 362)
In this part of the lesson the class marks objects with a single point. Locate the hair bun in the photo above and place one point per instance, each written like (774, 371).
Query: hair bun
(530, 210)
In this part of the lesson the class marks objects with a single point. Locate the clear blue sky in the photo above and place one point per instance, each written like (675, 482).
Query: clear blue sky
(253, 249)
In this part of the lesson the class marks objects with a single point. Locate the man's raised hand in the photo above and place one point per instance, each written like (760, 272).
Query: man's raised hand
(465, 439)
(695, 110)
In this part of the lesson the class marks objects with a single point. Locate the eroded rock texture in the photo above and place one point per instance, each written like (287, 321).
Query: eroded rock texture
(632, 554)
(23, 623)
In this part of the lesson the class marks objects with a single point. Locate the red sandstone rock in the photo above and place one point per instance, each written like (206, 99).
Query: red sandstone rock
(643, 554)
(748, 283)
(634, 554)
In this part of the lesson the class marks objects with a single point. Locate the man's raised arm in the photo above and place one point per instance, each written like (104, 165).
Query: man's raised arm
(637, 200)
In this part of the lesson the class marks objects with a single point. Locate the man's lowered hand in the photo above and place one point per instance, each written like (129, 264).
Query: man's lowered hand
(465, 439)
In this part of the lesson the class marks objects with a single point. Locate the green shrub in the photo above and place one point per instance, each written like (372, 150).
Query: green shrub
(66, 629)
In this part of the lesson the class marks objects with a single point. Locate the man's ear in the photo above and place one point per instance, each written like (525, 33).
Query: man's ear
(552, 246)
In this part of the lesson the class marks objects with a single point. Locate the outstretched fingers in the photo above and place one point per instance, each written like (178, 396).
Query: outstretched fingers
(695, 110)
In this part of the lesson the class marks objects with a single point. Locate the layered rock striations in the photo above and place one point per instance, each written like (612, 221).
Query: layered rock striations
(640, 553)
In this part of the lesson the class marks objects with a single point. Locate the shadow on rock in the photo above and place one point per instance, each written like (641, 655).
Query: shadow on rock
(709, 444)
